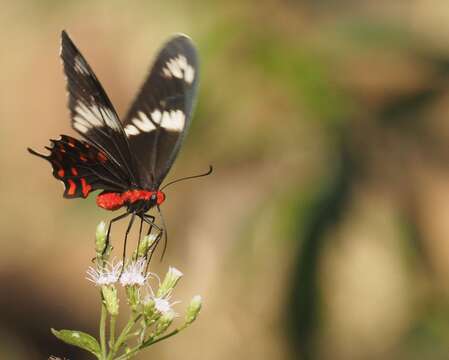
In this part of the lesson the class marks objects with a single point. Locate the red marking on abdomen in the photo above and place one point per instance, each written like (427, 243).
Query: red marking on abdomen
(131, 196)
(85, 187)
(110, 201)
(72, 187)
(114, 201)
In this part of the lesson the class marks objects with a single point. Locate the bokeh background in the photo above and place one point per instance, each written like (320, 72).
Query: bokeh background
(324, 231)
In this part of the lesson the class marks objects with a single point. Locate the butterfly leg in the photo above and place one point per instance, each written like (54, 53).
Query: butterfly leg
(149, 219)
(109, 230)
(140, 235)
(165, 232)
(130, 224)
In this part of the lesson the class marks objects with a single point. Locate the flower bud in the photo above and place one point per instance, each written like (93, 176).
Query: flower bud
(193, 309)
(100, 238)
(164, 322)
(110, 299)
(171, 279)
(133, 296)
(146, 244)
(149, 308)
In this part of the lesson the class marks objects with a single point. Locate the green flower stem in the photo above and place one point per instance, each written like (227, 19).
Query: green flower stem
(129, 354)
(154, 341)
(123, 335)
(134, 334)
(149, 342)
(103, 329)
(112, 331)
(142, 333)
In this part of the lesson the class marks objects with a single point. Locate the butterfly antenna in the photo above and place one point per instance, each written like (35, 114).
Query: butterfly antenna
(189, 177)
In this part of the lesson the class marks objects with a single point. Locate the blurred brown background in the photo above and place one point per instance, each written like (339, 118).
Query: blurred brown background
(324, 231)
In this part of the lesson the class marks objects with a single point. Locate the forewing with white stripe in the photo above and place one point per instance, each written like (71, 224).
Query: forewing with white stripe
(92, 113)
(160, 116)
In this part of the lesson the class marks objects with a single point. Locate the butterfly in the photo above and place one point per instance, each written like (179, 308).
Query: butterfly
(127, 160)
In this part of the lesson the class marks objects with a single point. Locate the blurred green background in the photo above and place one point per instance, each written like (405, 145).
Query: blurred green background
(324, 231)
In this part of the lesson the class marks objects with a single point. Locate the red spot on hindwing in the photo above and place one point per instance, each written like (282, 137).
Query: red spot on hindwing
(61, 173)
(72, 187)
(74, 171)
(85, 187)
(101, 157)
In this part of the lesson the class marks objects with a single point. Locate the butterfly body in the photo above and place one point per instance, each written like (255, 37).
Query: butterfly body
(136, 201)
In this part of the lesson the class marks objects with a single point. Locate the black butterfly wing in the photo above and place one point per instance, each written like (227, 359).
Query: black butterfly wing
(92, 113)
(159, 118)
(81, 167)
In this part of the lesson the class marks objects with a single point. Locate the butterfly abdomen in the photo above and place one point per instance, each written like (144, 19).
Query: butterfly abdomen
(110, 201)
(113, 200)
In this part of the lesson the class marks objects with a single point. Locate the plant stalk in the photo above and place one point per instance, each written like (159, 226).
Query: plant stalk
(103, 330)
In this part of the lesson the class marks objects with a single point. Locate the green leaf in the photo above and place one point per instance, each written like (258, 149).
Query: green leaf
(80, 339)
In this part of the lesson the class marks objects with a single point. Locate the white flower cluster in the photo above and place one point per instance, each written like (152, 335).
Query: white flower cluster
(106, 275)
(134, 273)
(133, 277)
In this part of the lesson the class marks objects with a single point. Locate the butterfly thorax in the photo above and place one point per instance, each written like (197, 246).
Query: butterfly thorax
(139, 201)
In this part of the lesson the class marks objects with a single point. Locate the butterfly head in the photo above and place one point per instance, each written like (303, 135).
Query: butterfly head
(157, 198)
